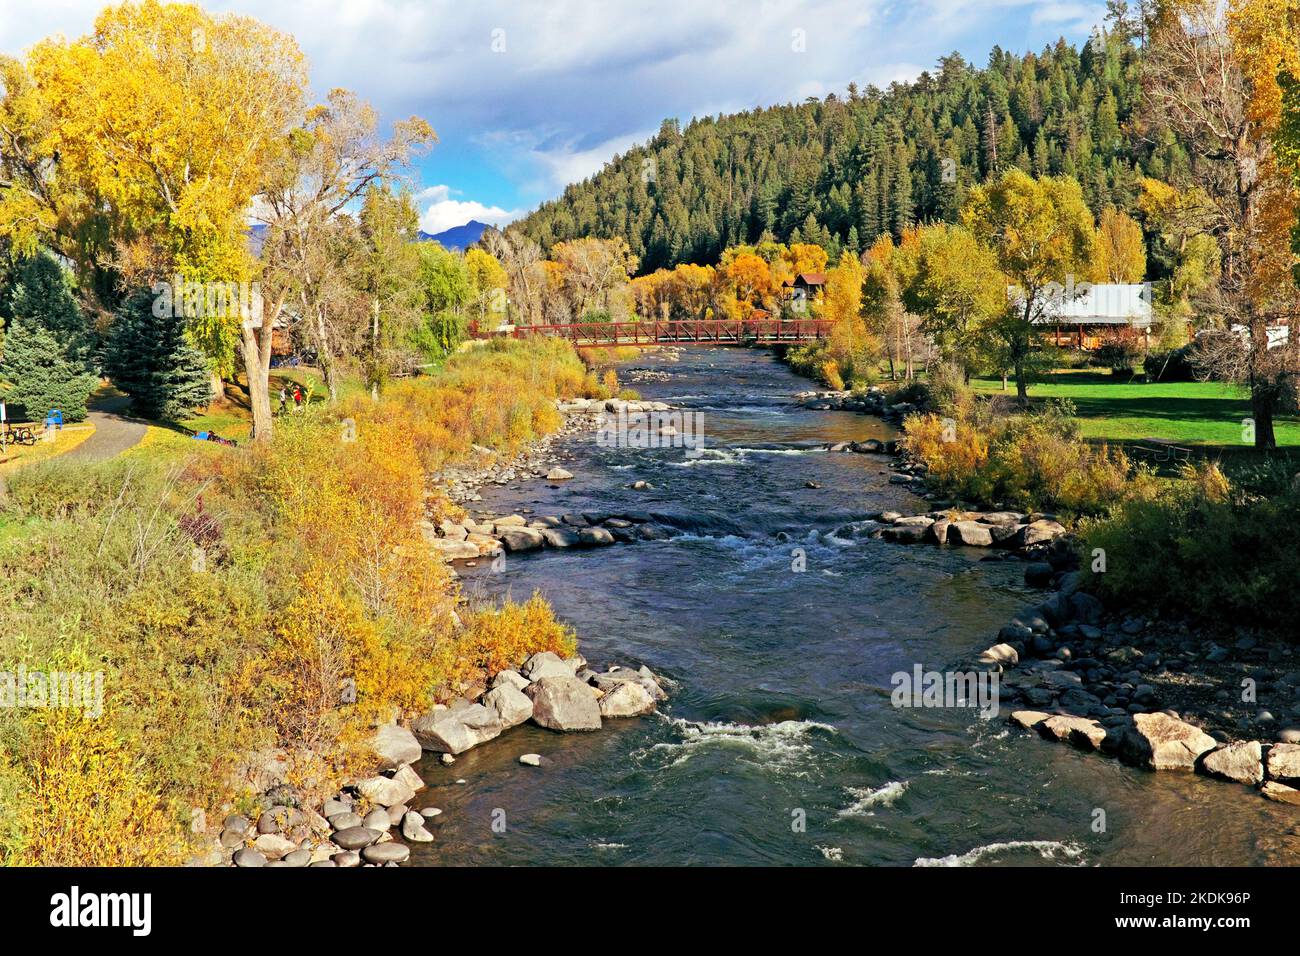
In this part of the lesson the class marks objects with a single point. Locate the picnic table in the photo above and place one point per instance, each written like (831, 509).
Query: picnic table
(1162, 449)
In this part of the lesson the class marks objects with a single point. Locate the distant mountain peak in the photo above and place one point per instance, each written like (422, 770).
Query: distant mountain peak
(457, 237)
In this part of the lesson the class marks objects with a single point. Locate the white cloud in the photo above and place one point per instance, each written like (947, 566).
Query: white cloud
(571, 82)
(444, 212)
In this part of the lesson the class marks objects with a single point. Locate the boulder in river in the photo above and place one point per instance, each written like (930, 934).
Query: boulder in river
(1241, 761)
(522, 539)
(629, 699)
(1038, 532)
(510, 704)
(972, 534)
(1272, 790)
(558, 474)
(564, 703)
(1284, 762)
(455, 731)
(594, 537)
(513, 678)
(1080, 731)
(1162, 742)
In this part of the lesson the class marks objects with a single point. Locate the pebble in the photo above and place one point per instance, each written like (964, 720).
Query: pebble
(531, 760)
(382, 853)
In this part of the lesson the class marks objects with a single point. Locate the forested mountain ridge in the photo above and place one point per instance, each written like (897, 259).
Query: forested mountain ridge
(841, 171)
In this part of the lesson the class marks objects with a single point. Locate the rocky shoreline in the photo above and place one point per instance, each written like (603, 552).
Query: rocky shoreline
(374, 821)
(1154, 693)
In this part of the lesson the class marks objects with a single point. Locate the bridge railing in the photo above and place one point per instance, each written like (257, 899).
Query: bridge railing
(648, 331)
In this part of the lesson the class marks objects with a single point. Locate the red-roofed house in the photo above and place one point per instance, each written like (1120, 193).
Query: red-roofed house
(804, 288)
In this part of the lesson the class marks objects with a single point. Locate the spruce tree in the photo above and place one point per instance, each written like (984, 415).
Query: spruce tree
(151, 358)
(47, 347)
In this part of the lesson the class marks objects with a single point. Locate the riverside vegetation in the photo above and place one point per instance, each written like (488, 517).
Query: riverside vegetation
(233, 599)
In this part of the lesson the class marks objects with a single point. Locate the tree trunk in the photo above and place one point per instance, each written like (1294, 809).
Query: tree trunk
(255, 344)
(1262, 401)
(218, 387)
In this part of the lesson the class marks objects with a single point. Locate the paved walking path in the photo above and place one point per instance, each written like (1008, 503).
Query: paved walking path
(114, 431)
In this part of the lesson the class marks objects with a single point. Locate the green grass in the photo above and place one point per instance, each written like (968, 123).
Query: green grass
(1110, 408)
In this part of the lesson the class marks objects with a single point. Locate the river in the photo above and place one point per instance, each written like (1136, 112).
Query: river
(779, 744)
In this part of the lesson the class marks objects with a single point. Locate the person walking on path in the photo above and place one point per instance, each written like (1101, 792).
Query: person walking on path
(284, 397)
(297, 397)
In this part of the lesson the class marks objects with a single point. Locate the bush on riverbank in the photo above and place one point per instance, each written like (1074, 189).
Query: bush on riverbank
(275, 596)
(1033, 461)
(1203, 549)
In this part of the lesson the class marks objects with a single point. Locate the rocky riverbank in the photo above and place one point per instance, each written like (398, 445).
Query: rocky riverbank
(375, 820)
(484, 535)
(1155, 693)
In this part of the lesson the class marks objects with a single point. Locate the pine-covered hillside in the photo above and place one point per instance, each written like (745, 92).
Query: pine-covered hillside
(842, 170)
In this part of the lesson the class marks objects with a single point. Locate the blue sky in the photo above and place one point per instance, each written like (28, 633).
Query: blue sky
(528, 95)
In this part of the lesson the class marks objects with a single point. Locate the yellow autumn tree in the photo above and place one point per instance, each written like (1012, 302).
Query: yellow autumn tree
(165, 120)
(1121, 252)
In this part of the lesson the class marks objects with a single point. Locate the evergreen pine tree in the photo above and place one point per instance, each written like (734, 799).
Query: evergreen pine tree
(150, 358)
(47, 348)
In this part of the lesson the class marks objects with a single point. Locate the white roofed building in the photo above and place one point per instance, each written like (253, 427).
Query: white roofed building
(1083, 315)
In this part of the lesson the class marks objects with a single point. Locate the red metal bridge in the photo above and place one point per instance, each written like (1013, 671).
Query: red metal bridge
(681, 331)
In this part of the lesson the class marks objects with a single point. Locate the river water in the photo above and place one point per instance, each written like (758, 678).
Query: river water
(779, 744)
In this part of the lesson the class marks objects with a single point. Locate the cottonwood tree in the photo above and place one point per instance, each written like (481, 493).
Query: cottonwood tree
(959, 292)
(1210, 76)
(1042, 235)
(162, 122)
(330, 162)
(522, 260)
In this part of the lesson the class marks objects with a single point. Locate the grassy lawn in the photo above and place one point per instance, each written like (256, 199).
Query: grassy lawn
(1191, 413)
(66, 439)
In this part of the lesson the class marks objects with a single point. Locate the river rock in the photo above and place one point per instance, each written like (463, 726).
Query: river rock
(561, 537)
(970, 533)
(1003, 654)
(408, 777)
(455, 731)
(1080, 731)
(510, 704)
(509, 677)
(378, 819)
(1038, 532)
(1028, 719)
(545, 664)
(385, 791)
(1272, 790)
(344, 821)
(453, 550)
(394, 746)
(413, 828)
(522, 539)
(594, 537)
(382, 853)
(273, 846)
(348, 858)
(1241, 761)
(298, 858)
(629, 699)
(248, 858)
(1161, 742)
(530, 760)
(1038, 574)
(1284, 762)
(914, 521)
(509, 521)
(558, 474)
(564, 703)
(354, 838)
